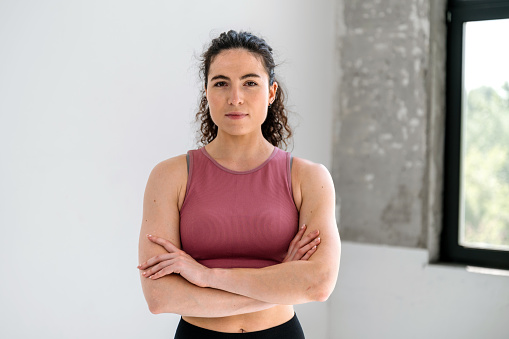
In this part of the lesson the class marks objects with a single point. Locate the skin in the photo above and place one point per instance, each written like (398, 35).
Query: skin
(238, 300)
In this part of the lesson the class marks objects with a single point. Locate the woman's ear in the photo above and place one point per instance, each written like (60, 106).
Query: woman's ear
(272, 92)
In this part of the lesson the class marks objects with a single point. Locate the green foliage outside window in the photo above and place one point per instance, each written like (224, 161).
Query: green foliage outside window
(486, 167)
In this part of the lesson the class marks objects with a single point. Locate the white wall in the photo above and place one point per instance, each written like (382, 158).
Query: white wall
(392, 292)
(92, 95)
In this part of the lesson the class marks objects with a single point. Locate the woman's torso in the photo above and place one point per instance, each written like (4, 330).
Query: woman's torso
(248, 322)
(205, 174)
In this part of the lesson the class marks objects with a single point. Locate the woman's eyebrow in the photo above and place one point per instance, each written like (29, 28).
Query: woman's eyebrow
(250, 75)
(224, 77)
(219, 77)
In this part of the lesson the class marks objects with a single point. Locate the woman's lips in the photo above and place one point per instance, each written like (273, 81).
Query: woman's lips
(236, 116)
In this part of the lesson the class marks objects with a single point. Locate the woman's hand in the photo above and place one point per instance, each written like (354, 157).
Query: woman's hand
(175, 261)
(302, 248)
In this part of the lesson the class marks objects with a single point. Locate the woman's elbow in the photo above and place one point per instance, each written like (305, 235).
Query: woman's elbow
(163, 303)
(162, 297)
(324, 286)
(157, 302)
(157, 308)
(322, 294)
(154, 306)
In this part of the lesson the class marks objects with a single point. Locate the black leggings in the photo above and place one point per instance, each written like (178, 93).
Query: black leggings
(289, 330)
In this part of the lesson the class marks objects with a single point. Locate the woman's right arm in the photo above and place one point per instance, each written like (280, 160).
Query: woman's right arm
(164, 195)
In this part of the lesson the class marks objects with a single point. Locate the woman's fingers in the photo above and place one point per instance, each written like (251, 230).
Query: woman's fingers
(175, 261)
(151, 269)
(163, 242)
(305, 252)
(309, 237)
(182, 264)
(299, 235)
(155, 260)
(292, 249)
(162, 273)
(301, 245)
(309, 253)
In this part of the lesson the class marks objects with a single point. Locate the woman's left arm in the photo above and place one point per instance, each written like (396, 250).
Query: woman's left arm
(289, 283)
(296, 282)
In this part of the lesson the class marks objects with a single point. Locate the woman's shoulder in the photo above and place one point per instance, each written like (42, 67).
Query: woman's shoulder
(171, 170)
(308, 177)
(304, 169)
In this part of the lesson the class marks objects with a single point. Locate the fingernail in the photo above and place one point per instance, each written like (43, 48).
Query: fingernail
(317, 239)
(313, 247)
(303, 227)
(149, 235)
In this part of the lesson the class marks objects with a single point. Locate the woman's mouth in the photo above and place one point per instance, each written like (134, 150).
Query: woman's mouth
(236, 115)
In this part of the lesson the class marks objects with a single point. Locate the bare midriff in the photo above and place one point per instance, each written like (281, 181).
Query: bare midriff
(248, 322)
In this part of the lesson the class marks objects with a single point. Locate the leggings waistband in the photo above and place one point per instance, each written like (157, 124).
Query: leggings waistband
(288, 330)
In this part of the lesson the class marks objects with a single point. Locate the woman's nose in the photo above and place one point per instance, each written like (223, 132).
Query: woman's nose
(235, 97)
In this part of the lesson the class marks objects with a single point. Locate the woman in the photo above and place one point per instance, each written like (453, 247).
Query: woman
(220, 242)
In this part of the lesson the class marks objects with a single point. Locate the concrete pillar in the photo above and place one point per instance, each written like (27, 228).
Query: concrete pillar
(388, 127)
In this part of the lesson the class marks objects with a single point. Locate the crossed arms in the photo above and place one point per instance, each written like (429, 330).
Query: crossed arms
(175, 283)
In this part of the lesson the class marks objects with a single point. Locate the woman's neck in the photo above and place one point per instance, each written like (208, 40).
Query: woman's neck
(239, 152)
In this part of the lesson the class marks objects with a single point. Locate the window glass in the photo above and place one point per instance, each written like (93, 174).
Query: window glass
(484, 215)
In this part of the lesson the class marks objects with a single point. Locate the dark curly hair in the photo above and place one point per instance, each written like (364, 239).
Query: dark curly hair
(275, 128)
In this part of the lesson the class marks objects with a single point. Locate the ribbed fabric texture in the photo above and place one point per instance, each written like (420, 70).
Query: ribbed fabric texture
(238, 219)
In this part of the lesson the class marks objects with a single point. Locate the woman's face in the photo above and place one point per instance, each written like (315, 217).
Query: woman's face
(238, 92)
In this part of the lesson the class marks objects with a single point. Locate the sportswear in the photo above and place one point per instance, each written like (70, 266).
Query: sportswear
(291, 329)
(232, 219)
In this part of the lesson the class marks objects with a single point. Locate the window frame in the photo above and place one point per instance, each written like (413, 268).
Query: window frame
(459, 12)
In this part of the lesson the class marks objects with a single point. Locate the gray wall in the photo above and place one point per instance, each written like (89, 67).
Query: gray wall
(390, 73)
(387, 167)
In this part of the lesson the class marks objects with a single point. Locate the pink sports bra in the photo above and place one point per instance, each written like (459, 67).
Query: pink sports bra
(238, 219)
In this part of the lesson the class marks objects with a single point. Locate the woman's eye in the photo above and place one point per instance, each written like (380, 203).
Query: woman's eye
(251, 83)
(220, 84)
